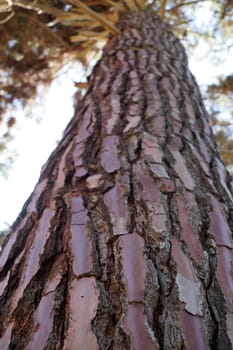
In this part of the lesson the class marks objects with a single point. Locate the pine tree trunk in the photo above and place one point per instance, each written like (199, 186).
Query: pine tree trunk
(126, 242)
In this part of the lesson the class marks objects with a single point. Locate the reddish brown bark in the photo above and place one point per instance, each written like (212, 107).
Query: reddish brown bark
(126, 240)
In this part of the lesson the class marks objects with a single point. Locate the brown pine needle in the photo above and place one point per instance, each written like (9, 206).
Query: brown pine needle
(162, 9)
(101, 19)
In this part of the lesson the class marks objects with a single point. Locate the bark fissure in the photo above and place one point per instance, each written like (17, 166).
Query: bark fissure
(126, 242)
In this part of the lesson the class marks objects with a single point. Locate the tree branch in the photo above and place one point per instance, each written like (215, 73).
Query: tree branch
(162, 9)
(184, 4)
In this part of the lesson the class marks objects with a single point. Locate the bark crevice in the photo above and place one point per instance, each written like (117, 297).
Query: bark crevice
(126, 241)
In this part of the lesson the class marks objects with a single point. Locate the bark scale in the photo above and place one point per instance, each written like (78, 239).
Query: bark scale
(126, 241)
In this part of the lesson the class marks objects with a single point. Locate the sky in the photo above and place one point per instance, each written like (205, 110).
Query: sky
(34, 142)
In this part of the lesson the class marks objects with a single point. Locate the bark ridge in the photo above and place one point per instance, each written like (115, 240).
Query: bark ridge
(126, 241)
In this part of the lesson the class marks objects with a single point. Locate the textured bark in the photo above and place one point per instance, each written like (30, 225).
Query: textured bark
(126, 240)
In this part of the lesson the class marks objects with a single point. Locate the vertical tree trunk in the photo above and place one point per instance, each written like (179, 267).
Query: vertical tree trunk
(126, 241)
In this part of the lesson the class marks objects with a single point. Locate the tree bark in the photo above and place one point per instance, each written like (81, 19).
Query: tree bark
(125, 242)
